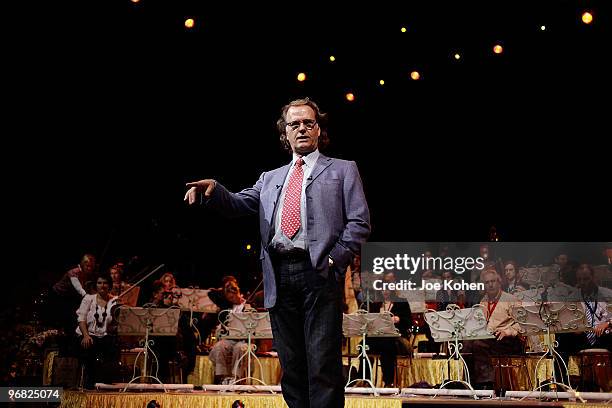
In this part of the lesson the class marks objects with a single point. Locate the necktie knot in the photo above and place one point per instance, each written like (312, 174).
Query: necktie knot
(299, 162)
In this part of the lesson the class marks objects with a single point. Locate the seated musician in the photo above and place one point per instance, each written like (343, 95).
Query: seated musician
(176, 349)
(497, 306)
(99, 351)
(116, 274)
(390, 347)
(445, 297)
(225, 353)
(594, 300)
(514, 283)
(172, 292)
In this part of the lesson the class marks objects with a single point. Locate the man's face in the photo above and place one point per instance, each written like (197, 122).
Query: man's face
(158, 295)
(115, 274)
(88, 264)
(302, 129)
(232, 293)
(584, 279)
(484, 252)
(510, 272)
(389, 277)
(562, 260)
(492, 285)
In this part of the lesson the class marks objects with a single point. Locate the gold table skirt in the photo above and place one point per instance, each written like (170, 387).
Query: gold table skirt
(74, 399)
(519, 373)
(204, 371)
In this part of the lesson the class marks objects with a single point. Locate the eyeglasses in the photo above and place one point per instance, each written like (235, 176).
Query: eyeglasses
(309, 124)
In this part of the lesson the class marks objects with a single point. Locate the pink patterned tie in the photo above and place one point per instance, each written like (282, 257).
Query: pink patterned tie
(290, 219)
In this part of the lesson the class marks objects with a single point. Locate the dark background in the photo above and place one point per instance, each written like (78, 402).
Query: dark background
(117, 106)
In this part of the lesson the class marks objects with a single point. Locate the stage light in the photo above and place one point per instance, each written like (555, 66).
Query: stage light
(382, 82)
(135, 1)
(403, 29)
(189, 23)
(301, 77)
(332, 58)
(415, 75)
(350, 97)
(457, 56)
(248, 247)
(543, 28)
(498, 49)
(587, 18)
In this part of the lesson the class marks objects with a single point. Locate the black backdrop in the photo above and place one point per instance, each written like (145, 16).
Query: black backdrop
(116, 106)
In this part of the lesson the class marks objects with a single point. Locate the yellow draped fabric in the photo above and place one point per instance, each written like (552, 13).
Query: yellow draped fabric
(204, 371)
(415, 370)
(517, 372)
(73, 399)
(48, 367)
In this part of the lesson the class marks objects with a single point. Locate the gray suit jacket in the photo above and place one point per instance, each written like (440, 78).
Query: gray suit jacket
(338, 219)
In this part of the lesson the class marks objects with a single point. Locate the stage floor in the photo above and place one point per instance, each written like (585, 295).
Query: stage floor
(198, 399)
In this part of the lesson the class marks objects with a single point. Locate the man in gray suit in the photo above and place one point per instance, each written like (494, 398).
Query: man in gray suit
(313, 220)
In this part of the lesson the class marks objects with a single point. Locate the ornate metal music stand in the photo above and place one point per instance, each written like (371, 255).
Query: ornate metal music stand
(139, 321)
(548, 318)
(249, 326)
(194, 301)
(362, 324)
(454, 325)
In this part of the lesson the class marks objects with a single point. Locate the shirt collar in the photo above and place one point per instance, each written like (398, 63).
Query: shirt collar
(309, 160)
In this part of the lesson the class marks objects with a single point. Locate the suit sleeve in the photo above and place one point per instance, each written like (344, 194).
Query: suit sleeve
(357, 220)
(233, 205)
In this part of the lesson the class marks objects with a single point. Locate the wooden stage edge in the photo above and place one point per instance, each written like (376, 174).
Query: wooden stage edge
(193, 399)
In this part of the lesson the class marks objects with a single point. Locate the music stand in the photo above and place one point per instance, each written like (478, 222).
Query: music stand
(249, 325)
(196, 300)
(138, 321)
(362, 324)
(453, 325)
(548, 318)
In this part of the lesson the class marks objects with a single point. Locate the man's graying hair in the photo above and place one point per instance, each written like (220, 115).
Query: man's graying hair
(320, 117)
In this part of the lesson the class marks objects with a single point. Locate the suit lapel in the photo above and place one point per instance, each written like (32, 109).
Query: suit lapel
(322, 163)
(277, 182)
